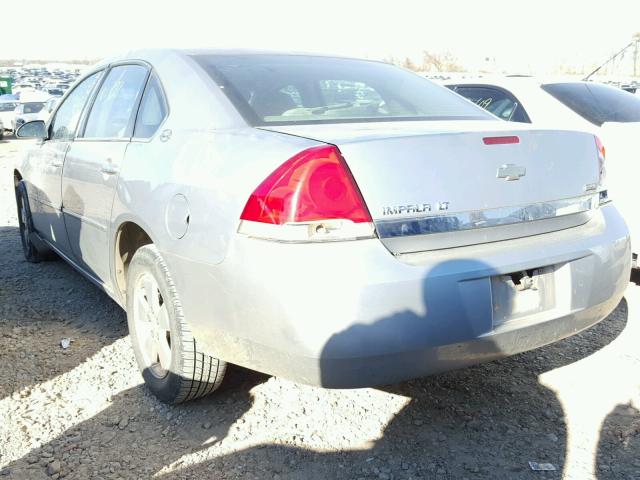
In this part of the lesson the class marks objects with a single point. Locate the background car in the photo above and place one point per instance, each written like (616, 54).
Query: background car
(54, 91)
(7, 113)
(609, 112)
(48, 108)
(26, 112)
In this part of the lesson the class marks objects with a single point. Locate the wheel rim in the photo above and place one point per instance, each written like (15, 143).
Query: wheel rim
(151, 321)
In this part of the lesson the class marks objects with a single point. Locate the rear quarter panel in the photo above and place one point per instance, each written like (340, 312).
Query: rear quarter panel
(212, 158)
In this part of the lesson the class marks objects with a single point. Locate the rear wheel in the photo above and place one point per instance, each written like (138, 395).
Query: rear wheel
(32, 253)
(172, 366)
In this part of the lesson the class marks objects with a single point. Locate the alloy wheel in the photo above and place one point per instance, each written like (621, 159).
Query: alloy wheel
(151, 320)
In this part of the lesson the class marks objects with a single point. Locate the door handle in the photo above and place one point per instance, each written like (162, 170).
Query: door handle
(56, 164)
(109, 168)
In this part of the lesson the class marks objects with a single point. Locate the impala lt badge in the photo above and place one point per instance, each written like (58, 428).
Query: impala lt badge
(414, 208)
(510, 172)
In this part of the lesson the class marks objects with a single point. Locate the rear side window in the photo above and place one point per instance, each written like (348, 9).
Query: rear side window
(7, 107)
(153, 110)
(495, 100)
(112, 114)
(33, 107)
(597, 103)
(301, 89)
(65, 122)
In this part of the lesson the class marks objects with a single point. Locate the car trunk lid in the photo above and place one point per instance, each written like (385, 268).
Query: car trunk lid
(432, 185)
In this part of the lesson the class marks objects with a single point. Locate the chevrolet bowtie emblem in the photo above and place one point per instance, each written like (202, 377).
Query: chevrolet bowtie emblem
(509, 172)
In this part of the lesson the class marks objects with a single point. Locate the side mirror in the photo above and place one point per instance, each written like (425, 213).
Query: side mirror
(34, 129)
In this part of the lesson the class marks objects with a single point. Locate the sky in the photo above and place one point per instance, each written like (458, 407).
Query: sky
(531, 36)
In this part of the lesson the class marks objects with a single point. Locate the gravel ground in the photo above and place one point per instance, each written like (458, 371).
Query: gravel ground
(83, 412)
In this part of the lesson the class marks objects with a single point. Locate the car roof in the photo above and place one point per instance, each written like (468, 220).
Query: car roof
(516, 81)
(154, 54)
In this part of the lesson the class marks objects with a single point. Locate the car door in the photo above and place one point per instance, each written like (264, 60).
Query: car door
(46, 162)
(92, 164)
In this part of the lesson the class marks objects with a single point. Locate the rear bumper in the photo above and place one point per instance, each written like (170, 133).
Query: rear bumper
(352, 315)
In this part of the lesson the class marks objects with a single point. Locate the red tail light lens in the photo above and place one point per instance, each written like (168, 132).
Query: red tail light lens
(601, 150)
(501, 140)
(313, 185)
(602, 155)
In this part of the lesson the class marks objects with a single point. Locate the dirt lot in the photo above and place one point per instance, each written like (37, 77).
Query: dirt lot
(83, 412)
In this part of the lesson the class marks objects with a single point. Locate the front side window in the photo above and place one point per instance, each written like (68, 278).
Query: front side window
(597, 103)
(495, 100)
(301, 89)
(112, 114)
(153, 110)
(65, 123)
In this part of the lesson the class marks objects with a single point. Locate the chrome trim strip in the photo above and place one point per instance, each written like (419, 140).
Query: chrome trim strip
(478, 219)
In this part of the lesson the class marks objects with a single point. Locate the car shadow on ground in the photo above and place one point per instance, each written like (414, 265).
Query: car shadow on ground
(619, 444)
(491, 419)
(39, 305)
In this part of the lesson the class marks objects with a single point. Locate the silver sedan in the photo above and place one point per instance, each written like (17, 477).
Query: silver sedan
(339, 222)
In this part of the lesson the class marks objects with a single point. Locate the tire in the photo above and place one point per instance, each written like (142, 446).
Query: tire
(32, 253)
(156, 320)
(635, 269)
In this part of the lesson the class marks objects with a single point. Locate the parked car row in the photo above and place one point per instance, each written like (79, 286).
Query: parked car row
(53, 81)
(34, 92)
(335, 221)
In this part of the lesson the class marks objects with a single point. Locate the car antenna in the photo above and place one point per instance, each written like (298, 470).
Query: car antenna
(633, 42)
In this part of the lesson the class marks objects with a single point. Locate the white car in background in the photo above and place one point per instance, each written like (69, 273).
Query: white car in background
(7, 113)
(29, 108)
(606, 111)
(24, 88)
(26, 112)
(48, 108)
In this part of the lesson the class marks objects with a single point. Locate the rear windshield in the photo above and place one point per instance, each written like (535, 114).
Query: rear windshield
(597, 103)
(298, 89)
(33, 107)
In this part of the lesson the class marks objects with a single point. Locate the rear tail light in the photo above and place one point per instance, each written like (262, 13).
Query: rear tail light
(310, 197)
(501, 140)
(602, 171)
(602, 155)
